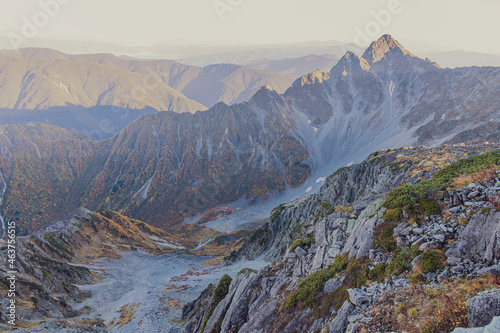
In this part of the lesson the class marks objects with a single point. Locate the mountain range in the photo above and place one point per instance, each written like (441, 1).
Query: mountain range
(83, 91)
(166, 167)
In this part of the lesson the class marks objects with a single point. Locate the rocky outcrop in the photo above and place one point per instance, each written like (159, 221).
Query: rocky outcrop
(339, 324)
(493, 327)
(483, 307)
(355, 192)
(342, 225)
(479, 241)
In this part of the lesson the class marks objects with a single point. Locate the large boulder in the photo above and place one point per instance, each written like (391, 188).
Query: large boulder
(493, 327)
(362, 239)
(339, 324)
(483, 307)
(479, 241)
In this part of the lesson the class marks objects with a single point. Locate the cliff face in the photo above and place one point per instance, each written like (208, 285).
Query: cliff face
(167, 167)
(329, 247)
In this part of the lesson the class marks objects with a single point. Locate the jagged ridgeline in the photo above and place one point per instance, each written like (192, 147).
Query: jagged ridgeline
(404, 241)
(165, 167)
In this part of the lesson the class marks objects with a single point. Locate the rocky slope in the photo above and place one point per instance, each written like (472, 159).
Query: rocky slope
(49, 261)
(167, 167)
(346, 262)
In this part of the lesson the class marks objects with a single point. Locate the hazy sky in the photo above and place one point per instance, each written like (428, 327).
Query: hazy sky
(457, 24)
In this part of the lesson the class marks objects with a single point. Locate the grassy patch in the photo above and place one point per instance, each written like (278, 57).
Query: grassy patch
(302, 243)
(379, 273)
(430, 310)
(394, 166)
(276, 211)
(384, 235)
(220, 292)
(408, 195)
(329, 209)
(402, 261)
(394, 215)
(432, 260)
(308, 293)
(486, 210)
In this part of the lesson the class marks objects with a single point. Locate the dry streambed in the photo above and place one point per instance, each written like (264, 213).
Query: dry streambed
(145, 293)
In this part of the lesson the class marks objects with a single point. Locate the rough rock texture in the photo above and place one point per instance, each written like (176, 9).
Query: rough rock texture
(339, 324)
(194, 312)
(357, 189)
(341, 218)
(483, 308)
(480, 241)
(493, 327)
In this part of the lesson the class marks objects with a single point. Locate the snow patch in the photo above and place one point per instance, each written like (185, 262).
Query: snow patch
(391, 88)
(143, 192)
(320, 180)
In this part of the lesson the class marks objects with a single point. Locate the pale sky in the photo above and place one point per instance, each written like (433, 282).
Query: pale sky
(472, 25)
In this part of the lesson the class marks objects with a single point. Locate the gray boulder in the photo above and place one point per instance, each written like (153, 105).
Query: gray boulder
(483, 307)
(358, 297)
(479, 241)
(339, 324)
(332, 285)
(493, 327)
(429, 246)
(494, 270)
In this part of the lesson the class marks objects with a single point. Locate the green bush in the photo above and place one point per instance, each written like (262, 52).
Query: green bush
(394, 166)
(222, 288)
(356, 274)
(402, 261)
(431, 261)
(340, 263)
(220, 292)
(329, 209)
(428, 207)
(309, 288)
(302, 243)
(378, 273)
(384, 235)
(395, 215)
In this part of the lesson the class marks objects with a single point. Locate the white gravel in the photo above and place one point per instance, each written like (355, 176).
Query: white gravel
(138, 277)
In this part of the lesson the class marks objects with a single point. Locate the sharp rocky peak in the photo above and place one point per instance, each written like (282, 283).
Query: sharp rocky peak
(348, 62)
(384, 47)
(318, 76)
